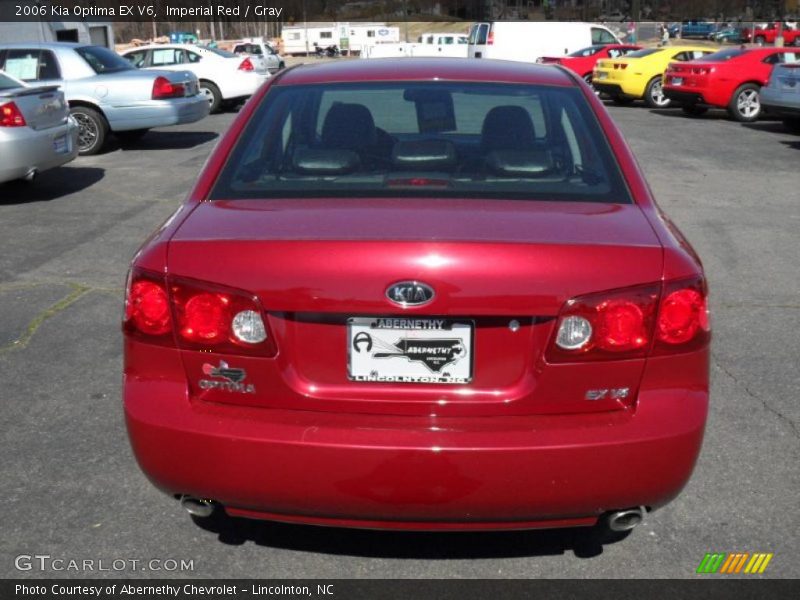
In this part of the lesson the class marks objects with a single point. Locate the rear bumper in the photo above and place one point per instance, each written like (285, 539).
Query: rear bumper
(682, 97)
(777, 103)
(25, 150)
(383, 471)
(615, 89)
(156, 113)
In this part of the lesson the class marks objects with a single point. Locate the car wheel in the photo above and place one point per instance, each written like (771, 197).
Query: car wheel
(654, 94)
(131, 135)
(693, 110)
(621, 100)
(92, 129)
(792, 125)
(745, 105)
(212, 95)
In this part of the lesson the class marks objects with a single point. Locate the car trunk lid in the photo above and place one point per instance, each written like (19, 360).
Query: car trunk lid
(42, 107)
(503, 269)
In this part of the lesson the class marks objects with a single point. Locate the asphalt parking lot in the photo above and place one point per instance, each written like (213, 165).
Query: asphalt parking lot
(72, 489)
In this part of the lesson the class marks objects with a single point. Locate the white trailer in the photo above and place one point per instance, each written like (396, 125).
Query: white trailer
(350, 38)
(451, 45)
(526, 41)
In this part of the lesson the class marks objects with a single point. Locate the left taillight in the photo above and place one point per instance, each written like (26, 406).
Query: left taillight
(195, 315)
(247, 65)
(622, 324)
(163, 88)
(11, 116)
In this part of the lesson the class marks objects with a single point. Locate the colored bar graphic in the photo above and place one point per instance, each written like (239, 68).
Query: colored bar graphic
(730, 563)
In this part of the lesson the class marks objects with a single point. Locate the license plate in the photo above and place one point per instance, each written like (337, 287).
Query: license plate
(408, 350)
(677, 81)
(602, 75)
(60, 144)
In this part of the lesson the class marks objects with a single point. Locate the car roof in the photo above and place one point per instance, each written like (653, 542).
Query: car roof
(426, 69)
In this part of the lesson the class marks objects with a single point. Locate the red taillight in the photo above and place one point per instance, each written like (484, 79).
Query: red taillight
(210, 317)
(627, 323)
(10, 116)
(490, 38)
(702, 70)
(147, 310)
(246, 65)
(682, 317)
(164, 88)
(196, 315)
(622, 66)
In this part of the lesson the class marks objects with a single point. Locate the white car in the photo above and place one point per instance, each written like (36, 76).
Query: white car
(224, 77)
(263, 52)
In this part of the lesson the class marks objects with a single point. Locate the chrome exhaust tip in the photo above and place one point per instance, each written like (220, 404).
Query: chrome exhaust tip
(625, 520)
(197, 507)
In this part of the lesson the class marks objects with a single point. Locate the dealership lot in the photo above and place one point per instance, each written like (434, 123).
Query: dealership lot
(73, 490)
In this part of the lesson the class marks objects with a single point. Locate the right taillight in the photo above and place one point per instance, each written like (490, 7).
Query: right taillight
(195, 315)
(682, 323)
(628, 323)
(11, 116)
(163, 88)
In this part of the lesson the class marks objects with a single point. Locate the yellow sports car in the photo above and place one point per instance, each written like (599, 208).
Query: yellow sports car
(638, 75)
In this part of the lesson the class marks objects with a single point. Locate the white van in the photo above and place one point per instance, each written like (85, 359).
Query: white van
(526, 41)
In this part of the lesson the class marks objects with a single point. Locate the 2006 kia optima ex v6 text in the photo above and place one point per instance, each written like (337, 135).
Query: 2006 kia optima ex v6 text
(419, 294)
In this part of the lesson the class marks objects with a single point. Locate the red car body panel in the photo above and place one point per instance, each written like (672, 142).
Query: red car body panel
(520, 447)
(714, 82)
(584, 65)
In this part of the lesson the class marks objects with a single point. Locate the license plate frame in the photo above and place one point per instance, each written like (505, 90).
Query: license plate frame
(411, 350)
(61, 144)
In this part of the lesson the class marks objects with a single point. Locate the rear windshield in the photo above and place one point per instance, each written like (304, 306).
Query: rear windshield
(642, 53)
(446, 139)
(103, 60)
(218, 52)
(6, 83)
(722, 55)
(587, 51)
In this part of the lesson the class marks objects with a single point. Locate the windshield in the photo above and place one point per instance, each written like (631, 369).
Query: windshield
(586, 51)
(445, 139)
(722, 55)
(642, 53)
(102, 60)
(6, 83)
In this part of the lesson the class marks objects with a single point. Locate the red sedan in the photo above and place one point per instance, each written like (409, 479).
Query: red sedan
(583, 61)
(419, 294)
(730, 79)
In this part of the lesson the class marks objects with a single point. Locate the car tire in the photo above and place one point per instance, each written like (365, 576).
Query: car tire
(745, 105)
(654, 94)
(281, 65)
(212, 94)
(621, 100)
(131, 135)
(693, 110)
(92, 129)
(792, 125)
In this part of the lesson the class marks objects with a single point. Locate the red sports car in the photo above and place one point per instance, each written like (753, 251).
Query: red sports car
(419, 294)
(582, 61)
(731, 79)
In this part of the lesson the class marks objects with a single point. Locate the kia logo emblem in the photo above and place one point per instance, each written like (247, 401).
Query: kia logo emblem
(410, 293)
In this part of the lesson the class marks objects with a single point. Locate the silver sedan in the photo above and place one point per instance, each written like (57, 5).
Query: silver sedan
(106, 94)
(36, 130)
